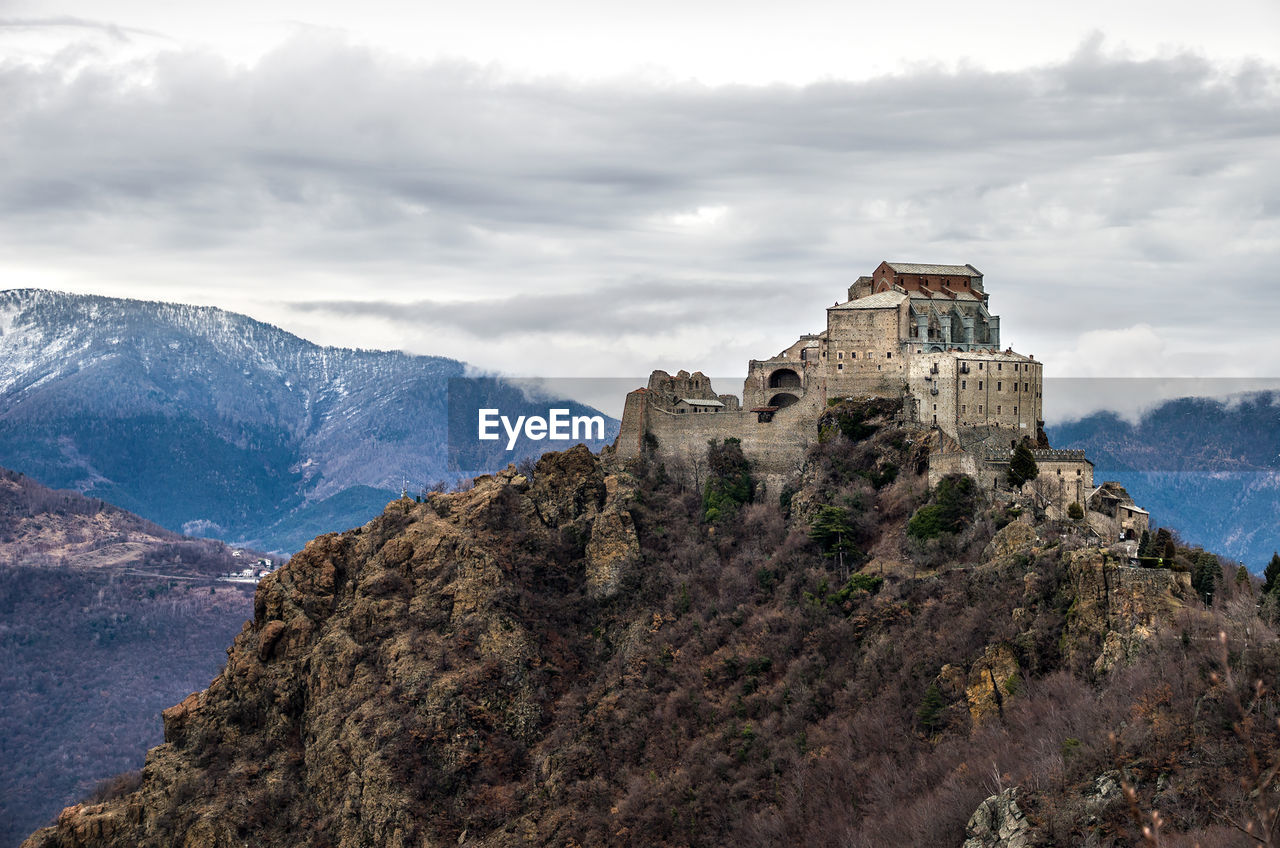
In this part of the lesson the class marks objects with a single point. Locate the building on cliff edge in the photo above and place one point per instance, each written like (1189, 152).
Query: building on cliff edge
(919, 332)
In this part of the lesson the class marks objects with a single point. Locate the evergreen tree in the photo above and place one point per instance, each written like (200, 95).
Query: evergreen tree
(1144, 545)
(1022, 467)
(832, 530)
(729, 481)
(929, 715)
(1242, 579)
(1272, 575)
(1206, 576)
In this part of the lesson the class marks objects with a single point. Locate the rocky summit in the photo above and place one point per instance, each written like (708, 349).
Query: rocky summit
(653, 654)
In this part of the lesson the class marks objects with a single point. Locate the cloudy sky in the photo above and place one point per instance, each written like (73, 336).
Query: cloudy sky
(574, 188)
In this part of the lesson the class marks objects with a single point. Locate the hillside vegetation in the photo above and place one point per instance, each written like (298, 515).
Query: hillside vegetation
(597, 655)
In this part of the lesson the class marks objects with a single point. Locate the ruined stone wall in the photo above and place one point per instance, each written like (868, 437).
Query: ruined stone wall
(954, 462)
(631, 429)
(776, 448)
(757, 389)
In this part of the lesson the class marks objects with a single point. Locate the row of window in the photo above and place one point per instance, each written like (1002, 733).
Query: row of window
(964, 409)
(853, 354)
(1026, 366)
(1026, 387)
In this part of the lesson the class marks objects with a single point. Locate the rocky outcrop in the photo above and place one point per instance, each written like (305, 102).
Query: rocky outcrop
(611, 550)
(1116, 608)
(993, 680)
(998, 823)
(384, 669)
(1013, 538)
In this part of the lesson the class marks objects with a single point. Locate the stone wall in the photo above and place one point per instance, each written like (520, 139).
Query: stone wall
(776, 448)
(766, 379)
(999, 389)
(1064, 479)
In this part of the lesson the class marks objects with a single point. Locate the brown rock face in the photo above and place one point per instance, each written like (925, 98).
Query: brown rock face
(993, 680)
(1013, 538)
(385, 668)
(1117, 607)
(613, 547)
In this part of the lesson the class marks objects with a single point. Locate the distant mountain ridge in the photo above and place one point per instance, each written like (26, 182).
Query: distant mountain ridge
(43, 528)
(211, 422)
(1208, 468)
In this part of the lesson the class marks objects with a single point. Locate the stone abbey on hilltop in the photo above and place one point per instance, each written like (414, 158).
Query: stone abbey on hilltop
(919, 332)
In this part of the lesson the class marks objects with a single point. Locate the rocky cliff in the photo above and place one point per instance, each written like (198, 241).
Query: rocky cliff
(581, 657)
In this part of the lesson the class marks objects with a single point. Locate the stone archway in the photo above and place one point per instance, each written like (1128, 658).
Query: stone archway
(782, 399)
(784, 378)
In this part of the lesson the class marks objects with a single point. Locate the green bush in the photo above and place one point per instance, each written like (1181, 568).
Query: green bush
(955, 501)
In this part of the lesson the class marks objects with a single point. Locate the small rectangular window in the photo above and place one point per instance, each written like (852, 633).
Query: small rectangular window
(840, 355)
(839, 366)
(999, 385)
(979, 407)
(999, 409)
(980, 364)
(999, 366)
(964, 384)
(979, 385)
(889, 355)
(964, 408)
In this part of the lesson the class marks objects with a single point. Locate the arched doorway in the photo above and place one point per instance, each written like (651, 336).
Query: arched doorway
(782, 399)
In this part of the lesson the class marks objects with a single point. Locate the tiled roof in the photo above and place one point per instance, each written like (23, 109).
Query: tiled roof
(883, 300)
(935, 270)
(701, 402)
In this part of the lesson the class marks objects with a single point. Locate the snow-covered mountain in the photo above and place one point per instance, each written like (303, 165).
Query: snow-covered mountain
(210, 422)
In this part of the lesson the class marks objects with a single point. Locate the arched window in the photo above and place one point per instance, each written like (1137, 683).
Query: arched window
(784, 378)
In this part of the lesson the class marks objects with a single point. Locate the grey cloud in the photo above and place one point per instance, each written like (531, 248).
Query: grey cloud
(1099, 177)
(639, 308)
(115, 31)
